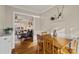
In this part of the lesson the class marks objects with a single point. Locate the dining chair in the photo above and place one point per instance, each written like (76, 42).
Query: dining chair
(39, 44)
(48, 44)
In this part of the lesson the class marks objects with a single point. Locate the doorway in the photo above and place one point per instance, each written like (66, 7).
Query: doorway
(23, 29)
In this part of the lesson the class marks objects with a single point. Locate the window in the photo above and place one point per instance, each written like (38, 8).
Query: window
(61, 32)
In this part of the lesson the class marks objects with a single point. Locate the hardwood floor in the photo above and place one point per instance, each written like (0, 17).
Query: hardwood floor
(29, 47)
(26, 47)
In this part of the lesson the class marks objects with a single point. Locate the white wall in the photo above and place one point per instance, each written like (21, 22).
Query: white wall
(2, 19)
(37, 28)
(70, 19)
(9, 18)
(9, 14)
(2, 16)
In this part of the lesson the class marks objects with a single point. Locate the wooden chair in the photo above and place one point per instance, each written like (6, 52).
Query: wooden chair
(51, 45)
(66, 49)
(48, 44)
(63, 43)
(56, 46)
(39, 44)
(44, 33)
(74, 46)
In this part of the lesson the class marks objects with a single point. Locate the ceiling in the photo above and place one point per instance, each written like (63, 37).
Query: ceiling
(34, 8)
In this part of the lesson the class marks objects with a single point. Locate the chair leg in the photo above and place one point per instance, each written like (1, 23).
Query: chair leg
(43, 48)
(37, 49)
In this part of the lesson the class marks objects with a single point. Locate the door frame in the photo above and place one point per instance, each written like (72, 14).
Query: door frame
(34, 16)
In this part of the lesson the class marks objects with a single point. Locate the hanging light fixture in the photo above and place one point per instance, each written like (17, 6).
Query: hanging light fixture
(59, 14)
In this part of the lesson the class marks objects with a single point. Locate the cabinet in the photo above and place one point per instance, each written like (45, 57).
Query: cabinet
(5, 44)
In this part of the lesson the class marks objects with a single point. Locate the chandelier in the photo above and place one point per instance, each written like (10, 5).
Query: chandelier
(59, 13)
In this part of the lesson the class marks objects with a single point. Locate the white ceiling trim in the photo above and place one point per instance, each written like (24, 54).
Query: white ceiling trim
(26, 14)
(45, 10)
(24, 9)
